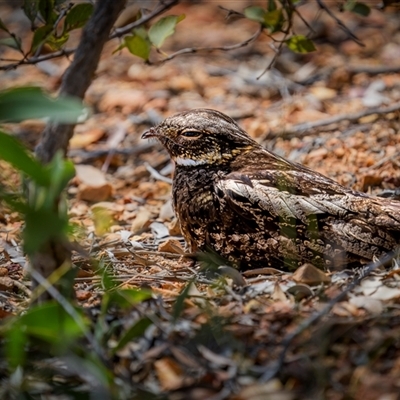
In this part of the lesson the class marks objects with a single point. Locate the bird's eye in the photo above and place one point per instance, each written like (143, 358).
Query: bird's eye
(191, 134)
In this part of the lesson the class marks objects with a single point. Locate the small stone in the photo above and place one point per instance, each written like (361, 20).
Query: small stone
(6, 284)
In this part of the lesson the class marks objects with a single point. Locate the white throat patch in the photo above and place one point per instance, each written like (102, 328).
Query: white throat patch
(188, 162)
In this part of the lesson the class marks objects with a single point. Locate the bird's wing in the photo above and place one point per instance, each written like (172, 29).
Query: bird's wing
(284, 194)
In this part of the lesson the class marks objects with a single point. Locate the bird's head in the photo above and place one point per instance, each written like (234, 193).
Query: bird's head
(201, 137)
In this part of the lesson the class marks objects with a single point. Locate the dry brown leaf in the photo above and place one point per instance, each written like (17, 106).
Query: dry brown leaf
(169, 374)
(81, 140)
(171, 246)
(310, 275)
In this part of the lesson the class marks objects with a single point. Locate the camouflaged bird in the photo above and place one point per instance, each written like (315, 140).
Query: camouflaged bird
(257, 209)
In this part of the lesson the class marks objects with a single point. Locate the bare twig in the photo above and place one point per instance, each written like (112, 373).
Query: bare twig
(306, 324)
(373, 69)
(324, 7)
(192, 50)
(305, 127)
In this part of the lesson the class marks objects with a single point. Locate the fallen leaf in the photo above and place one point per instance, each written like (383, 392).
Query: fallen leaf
(171, 246)
(310, 275)
(81, 140)
(169, 374)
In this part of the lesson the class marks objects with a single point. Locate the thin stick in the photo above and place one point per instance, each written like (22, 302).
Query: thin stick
(305, 127)
(192, 50)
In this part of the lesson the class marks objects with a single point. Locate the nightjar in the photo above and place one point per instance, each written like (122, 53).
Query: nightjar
(256, 209)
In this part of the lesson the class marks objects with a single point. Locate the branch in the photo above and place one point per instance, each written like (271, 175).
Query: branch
(163, 6)
(303, 129)
(192, 50)
(79, 74)
(288, 339)
(340, 23)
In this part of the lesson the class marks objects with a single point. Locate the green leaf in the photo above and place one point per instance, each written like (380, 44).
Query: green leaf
(180, 301)
(31, 9)
(30, 102)
(133, 332)
(271, 5)
(300, 44)
(138, 46)
(127, 297)
(50, 322)
(10, 42)
(255, 13)
(56, 43)
(163, 28)
(15, 349)
(3, 27)
(40, 36)
(12, 151)
(78, 16)
(46, 9)
(360, 9)
(273, 20)
(41, 226)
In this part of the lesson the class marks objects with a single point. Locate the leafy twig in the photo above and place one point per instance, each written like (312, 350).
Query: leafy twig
(117, 33)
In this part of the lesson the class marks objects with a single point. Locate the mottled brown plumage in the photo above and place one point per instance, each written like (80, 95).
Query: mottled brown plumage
(257, 209)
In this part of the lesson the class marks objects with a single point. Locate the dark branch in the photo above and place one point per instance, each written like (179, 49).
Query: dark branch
(79, 74)
(324, 7)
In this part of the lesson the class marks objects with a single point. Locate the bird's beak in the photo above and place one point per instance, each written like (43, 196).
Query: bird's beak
(151, 133)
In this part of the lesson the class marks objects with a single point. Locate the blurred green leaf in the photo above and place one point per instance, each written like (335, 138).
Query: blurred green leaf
(29, 102)
(125, 298)
(56, 43)
(133, 332)
(357, 8)
(40, 36)
(271, 5)
(31, 9)
(61, 172)
(255, 13)
(50, 322)
(10, 42)
(274, 20)
(16, 346)
(137, 46)
(3, 26)
(41, 226)
(12, 151)
(78, 16)
(300, 44)
(46, 9)
(163, 28)
(180, 301)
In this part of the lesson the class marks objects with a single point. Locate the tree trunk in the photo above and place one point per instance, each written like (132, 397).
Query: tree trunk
(55, 137)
